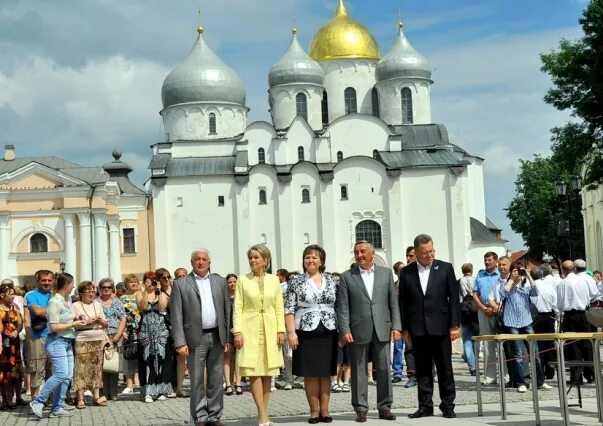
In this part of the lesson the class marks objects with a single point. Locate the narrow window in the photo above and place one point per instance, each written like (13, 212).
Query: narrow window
(212, 124)
(325, 109)
(261, 156)
(339, 156)
(406, 106)
(375, 102)
(262, 196)
(306, 238)
(38, 243)
(220, 200)
(344, 192)
(300, 153)
(369, 230)
(350, 101)
(129, 240)
(301, 105)
(375, 154)
(305, 195)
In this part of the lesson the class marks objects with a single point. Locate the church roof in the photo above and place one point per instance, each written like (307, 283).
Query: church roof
(295, 66)
(421, 158)
(403, 61)
(480, 233)
(200, 166)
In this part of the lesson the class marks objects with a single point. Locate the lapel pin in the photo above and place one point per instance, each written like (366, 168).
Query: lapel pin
(436, 267)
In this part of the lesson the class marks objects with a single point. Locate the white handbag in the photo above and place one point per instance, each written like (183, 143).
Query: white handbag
(110, 358)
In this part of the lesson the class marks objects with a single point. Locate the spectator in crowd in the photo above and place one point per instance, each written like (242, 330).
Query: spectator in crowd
(469, 318)
(11, 324)
(409, 353)
(130, 302)
(120, 289)
(341, 381)
(287, 370)
(259, 327)
(484, 288)
(598, 276)
(398, 352)
(369, 318)
(574, 295)
(200, 317)
(155, 354)
(19, 301)
(312, 330)
(517, 319)
(177, 374)
(548, 312)
(180, 359)
(59, 345)
(116, 324)
(231, 369)
(89, 343)
(36, 303)
(179, 273)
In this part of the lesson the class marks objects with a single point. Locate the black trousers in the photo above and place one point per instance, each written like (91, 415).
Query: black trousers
(438, 350)
(582, 350)
(545, 323)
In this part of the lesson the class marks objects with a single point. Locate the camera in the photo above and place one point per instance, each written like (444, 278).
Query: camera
(522, 272)
(157, 292)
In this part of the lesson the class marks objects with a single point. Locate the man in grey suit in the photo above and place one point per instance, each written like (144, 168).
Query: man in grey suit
(368, 315)
(200, 317)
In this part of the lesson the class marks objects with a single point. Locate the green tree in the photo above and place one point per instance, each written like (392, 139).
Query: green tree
(576, 70)
(535, 212)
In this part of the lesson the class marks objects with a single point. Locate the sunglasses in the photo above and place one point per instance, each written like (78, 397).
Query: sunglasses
(105, 287)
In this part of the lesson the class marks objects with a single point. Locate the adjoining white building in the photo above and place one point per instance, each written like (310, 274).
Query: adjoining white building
(351, 154)
(592, 209)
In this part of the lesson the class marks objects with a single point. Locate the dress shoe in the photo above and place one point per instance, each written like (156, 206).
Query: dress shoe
(412, 382)
(325, 419)
(397, 379)
(314, 420)
(361, 417)
(421, 412)
(449, 414)
(387, 415)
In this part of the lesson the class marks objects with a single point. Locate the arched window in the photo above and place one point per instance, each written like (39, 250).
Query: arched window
(375, 101)
(375, 154)
(369, 230)
(325, 109)
(261, 156)
(262, 196)
(344, 192)
(212, 123)
(38, 243)
(350, 100)
(406, 106)
(305, 195)
(301, 105)
(300, 153)
(339, 156)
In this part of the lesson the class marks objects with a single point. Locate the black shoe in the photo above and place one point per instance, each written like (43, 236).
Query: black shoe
(421, 412)
(313, 420)
(449, 414)
(387, 415)
(397, 379)
(472, 372)
(325, 419)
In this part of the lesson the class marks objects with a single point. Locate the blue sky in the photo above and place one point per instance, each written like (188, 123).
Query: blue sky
(80, 78)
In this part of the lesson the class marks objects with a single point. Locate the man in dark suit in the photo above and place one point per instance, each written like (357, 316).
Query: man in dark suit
(368, 315)
(430, 313)
(200, 317)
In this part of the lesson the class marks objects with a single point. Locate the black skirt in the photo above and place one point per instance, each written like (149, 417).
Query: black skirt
(316, 353)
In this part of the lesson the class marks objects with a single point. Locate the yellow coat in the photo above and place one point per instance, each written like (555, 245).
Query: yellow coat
(249, 313)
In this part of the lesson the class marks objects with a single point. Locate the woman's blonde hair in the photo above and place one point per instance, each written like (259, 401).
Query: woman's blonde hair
(263, 251)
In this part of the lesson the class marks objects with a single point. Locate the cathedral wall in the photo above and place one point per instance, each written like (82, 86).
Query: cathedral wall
(358, 136)
(196, 148)
(284, 104)
(390, 101)
(192, 121)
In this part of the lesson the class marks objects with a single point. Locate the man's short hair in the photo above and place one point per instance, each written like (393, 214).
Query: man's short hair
(491, 254)
(422, 239)
(200, 250)
(536, 273)
(364, 242)
(409, 249)
(467, 268)
(8, 282)
(505, 258)
(397, 266)
(282, 273)
(546, 269)
(42, 273)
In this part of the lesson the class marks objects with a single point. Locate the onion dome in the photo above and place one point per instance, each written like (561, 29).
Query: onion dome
(295, 66)
(403, 61)
(342, 37)
(202, 77)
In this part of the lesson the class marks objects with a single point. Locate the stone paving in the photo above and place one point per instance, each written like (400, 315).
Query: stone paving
(291, 407)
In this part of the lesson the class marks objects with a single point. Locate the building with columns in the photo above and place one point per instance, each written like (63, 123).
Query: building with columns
(351, 153)
(92, 219)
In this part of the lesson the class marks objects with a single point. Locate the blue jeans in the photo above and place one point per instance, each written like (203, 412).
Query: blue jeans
(517, 352)
(60, 352)
(398, 358)
(467, 332)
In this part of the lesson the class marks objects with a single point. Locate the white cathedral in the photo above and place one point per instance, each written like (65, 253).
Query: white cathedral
(351, 154)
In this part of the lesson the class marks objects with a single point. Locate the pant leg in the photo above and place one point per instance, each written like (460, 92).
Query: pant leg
(398, 359)
(196, 372)
(381, 363)
(359, 379)
(424, 361)
(485, 328)
(215, 374)
(442, 356)
(61, 355)
(467, 332)
(409, 357)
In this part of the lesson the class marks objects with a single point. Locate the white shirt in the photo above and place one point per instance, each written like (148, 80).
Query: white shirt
(209, 318)
(574, 293)
(368, 277)
(593, 289)
(546, 301)
(424, 275)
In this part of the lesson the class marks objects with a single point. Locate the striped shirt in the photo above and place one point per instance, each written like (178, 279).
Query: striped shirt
(516, 313)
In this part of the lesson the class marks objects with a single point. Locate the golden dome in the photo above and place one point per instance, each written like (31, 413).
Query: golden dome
(342, 37)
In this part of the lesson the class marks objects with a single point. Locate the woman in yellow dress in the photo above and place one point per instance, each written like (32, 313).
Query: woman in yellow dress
(259, 327)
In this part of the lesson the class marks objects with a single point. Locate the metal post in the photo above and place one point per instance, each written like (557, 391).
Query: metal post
(533, 376)
(561, 381)
(501, 380)
(598, 382)
(478, 381)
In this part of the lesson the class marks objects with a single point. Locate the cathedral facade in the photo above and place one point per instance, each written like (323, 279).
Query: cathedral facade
(351, 154)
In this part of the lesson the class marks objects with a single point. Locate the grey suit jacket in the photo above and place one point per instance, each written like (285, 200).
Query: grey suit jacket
(358, 313)
(185, 310)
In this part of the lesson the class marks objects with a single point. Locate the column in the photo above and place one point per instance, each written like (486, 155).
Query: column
(101, 258)
(114, 249)
(85, 247)
(70, 246)
(4, 245)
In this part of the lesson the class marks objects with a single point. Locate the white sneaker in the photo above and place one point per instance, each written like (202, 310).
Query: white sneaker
(545, 387)
(171, 395)
(148, 399)
(487, 380)
(68, 407)
(37, 408)
(127, 391)
(288, 386)
(161, 398)
(60, 413)
(522, 389)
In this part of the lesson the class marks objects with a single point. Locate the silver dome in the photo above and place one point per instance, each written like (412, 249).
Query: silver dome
(202, 77)
(295, 67)
(403, 61)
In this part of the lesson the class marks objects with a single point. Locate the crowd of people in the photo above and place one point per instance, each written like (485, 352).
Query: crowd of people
(336, 332)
